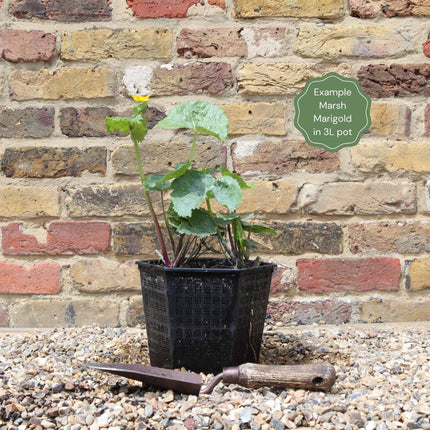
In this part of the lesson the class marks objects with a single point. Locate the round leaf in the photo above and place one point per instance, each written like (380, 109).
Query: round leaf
(199, 116)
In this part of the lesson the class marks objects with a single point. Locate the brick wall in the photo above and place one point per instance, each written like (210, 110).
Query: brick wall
(353, 227)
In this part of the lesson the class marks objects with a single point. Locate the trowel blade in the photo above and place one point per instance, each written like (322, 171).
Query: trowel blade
(176, 380)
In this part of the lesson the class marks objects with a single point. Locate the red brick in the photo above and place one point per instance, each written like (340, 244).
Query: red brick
(427, 120)
(60, 10)
(27, 46)
(161, 8)
(329, 311)
(426, 47)
(4, 315)
(42, 278)
(337, 275)
(219, 3)
(397, 80)
(62, 238)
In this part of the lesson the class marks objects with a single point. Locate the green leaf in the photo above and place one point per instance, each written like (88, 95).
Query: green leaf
(138, 127)
(257, 228)
(140, 108)
(199, 116)
(238, 232)
(200, 224)
(154, 183)
(243, 184)
(224, 219)
(174, 219)
(190, 190)
(227, 192)
(181, 168)
(117, 123)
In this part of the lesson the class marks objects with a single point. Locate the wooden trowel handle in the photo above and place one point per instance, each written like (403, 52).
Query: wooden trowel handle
(313, 376)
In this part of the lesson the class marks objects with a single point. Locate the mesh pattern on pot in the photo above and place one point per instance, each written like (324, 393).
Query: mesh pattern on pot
(204, 320)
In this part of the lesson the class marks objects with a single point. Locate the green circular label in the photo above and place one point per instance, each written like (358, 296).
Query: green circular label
(332, 112)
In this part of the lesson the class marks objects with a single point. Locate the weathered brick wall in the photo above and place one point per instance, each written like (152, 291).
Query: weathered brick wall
(353, 227)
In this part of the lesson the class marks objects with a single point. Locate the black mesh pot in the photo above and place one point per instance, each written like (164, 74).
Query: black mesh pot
(204, 319)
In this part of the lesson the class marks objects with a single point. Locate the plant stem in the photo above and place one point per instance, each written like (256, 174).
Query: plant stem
(150, 207)
(224, 247)
(167, 223)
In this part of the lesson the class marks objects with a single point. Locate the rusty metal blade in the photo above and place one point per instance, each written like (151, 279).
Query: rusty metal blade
(181, 382)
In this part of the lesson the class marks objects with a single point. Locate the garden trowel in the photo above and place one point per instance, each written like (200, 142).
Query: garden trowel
(313, 376)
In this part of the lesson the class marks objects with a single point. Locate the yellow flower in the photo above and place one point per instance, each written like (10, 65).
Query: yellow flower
(137, 98)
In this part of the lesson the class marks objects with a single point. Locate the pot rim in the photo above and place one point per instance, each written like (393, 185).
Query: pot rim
(158, 264)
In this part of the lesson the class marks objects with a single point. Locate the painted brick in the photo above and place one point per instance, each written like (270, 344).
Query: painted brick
(427, 120)
(27, 122)
(338, 275)
(4, 312)
(282, 279)
(296, 9)
(277, 158)
(59, 10)
(265, 42)
(134, 238)
(426, 47)
(329, 311)
(392, 157)
(401, 237)
(300, 238)
(90, 121)
(282, 78)
(29, 202)
(160, 8)
(427, 195)
(387, 310)
(352, 41)
(211, 42)
(46, 162)
(417, 276)
(104, 276)
(397, 80)
(62, 84)
(87, 237)
(256, 118)
(390, 119)
(41, 278)
(74, 312)
(226, 42)
(160, 157)
(373, 8)
(178, 79)
(98, 44)
(358, 198)
(106, 200)
(135, 315)
(26, 46)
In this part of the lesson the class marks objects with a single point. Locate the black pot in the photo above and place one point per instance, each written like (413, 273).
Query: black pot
(204, 318)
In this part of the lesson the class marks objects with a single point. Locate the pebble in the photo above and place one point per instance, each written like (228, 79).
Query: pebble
(383, 380)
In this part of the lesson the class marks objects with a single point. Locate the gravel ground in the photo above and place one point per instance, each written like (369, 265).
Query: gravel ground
(383, 380)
